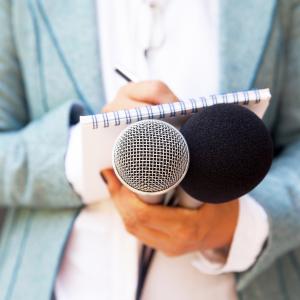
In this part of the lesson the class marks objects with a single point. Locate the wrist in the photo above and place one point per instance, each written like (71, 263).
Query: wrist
(222, 229)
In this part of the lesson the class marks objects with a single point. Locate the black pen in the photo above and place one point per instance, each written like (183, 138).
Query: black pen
(123, 75)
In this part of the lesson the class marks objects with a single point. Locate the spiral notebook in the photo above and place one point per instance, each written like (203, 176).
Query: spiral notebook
(98, 132)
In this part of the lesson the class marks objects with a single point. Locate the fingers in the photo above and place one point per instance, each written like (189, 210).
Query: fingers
(180, 225)
(141, 93)
(170, 220)
(152, 238)
(222, 220)
(174, 222)
(113, 183)
(136, 213)
(172, 230)
(170, 245)
(151, 91)
(121, 103)
(130, 208)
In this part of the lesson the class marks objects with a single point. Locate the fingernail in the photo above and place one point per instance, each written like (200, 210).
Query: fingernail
(103, 177)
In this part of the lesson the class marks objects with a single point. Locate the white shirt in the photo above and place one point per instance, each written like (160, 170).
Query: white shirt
(185, 56)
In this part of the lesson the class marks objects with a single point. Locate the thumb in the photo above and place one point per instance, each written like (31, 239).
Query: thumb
(113, 183)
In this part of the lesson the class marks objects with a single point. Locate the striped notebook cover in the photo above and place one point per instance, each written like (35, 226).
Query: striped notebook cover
(99, 132)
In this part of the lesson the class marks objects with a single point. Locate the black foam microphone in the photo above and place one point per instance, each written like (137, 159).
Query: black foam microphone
(231, 151)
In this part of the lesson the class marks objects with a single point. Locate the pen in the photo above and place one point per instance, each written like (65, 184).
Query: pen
(123, 75)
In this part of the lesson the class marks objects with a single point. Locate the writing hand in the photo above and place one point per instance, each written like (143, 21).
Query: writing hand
(141, 93)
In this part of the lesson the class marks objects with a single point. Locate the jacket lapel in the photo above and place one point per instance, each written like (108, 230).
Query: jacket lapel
(71, 31)
(245, 28)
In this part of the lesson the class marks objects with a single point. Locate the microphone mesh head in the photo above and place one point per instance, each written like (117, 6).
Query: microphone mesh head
(150, 156)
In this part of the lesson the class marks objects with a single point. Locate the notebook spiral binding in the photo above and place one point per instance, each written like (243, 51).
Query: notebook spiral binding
(180, 108)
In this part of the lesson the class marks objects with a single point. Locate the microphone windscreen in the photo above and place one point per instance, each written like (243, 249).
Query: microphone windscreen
(231, 151)
(150, 157)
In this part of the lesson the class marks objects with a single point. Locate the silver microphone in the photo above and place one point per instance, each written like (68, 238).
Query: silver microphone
(150, 158)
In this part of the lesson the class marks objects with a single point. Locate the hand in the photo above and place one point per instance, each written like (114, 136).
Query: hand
(136, 94)
(173, 230)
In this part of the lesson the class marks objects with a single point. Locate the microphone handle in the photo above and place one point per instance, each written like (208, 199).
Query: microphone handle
(163, 198)
(185, 200)
(182, 199)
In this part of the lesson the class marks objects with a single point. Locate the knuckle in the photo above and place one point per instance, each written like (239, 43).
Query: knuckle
(175, 251)
(122, 91)
(158, 87)
(191, 233)
(130, 224)
(187, 233)
(169, 254)
(178, 248)
(141, 215)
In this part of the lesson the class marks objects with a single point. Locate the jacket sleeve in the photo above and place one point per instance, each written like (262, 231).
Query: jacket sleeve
(31, 153)
(279, 193)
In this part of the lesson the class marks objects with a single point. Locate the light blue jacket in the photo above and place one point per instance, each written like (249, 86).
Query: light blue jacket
(49, 60)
